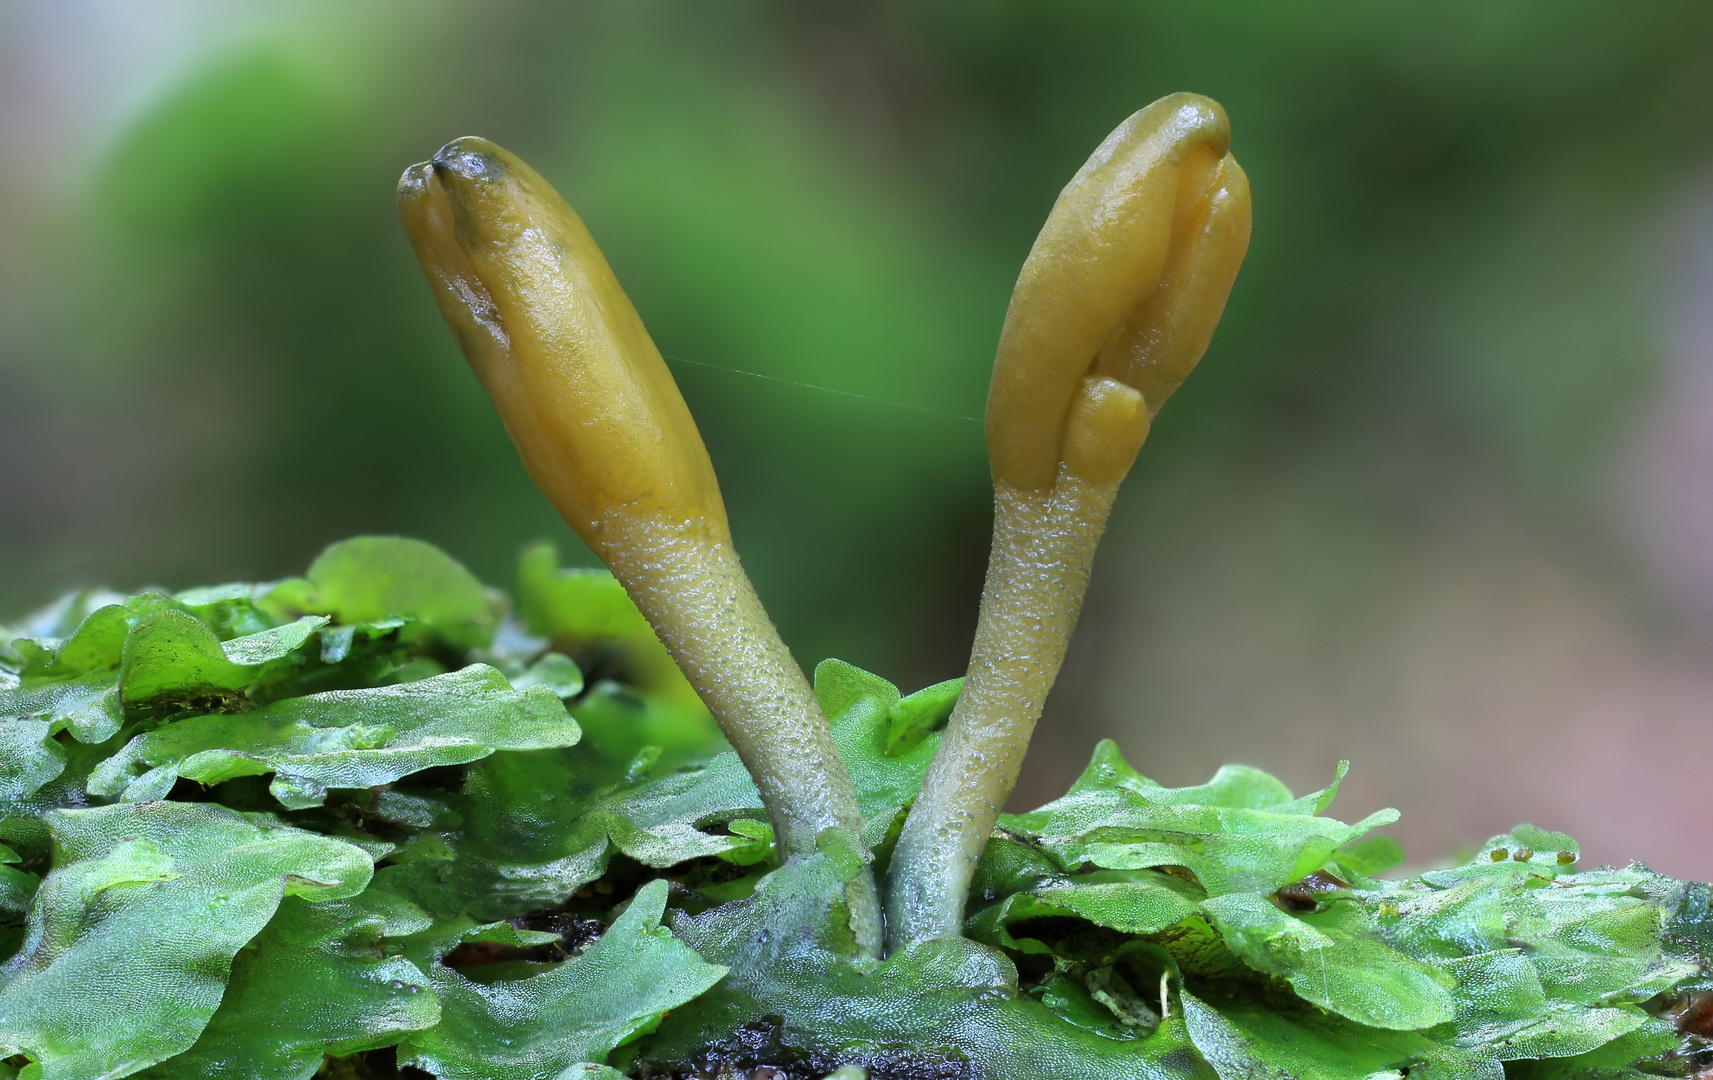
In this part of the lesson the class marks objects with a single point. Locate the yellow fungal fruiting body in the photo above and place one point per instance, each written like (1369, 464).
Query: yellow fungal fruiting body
(1115, 304)
(602, 429)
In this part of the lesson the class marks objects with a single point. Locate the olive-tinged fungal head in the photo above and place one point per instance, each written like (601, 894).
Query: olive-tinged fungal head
(578, 382)
(605, 434)
(1126, 282)
(1115, 304)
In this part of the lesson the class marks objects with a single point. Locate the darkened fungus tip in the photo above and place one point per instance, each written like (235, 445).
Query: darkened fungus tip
(469, 158)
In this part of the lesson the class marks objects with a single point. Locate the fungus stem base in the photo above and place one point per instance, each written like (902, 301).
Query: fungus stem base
(685, 577)
(1043, 548)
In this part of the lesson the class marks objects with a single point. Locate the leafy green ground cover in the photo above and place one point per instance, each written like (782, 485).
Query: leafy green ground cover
(380, 819)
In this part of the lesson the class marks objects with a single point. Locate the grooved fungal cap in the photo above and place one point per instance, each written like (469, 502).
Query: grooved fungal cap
(1119, 296)
(579, 384)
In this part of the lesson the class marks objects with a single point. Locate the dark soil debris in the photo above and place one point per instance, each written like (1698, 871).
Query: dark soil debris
(762, 1051)
(369, 1065)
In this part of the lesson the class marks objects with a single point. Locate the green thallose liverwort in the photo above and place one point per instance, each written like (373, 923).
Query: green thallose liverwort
(475, 872)
(381, 818)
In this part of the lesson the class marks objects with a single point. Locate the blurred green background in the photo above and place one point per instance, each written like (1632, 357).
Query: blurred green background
(1439, 499)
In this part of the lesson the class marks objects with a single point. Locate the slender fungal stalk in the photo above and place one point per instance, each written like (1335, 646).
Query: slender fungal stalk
(1115, 305)
(603, 430)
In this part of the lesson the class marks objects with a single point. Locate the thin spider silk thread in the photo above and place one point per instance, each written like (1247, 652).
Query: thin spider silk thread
(826, 389)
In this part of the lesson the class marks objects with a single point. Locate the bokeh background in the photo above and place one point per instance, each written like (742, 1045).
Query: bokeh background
(1439, 499)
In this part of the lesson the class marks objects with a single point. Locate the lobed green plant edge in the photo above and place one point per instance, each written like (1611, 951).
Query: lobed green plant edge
(381, 818)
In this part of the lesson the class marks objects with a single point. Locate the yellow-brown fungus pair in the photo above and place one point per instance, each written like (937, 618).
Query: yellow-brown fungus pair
(1114, 306)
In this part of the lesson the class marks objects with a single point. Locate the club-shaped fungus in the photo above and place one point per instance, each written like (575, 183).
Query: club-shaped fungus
(604, 432)
(1114, 306)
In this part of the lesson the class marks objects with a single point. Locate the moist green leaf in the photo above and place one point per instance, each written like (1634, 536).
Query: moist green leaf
(915, 715)
(1503, 1009)
(1240, 832)
(516, 838)
(1590, 979)
(556, 671)
(131, 936)
(1070, 1002)
(1130, 907)
(1370, 855)
(22, 822)
(232, 610)
(254, 650)
(29, 757)
(583, 605)
(190, 831)
(535, 1028)
(535, 827)
(1689, 925)
(1430, 923)
(92, 718)
(761, 844)
(588, 613)
(992, 925)
(1356, 977)
(99, 640)
(859, 707)
(1148, 903)
(619, 724)
(370, 578)
(1245, 1041)
(17, 889)
(87, 704)
(1614, 1061)
(345, 738)
(656, 822)
(174, 652)
(316, 982)
(1010, 866)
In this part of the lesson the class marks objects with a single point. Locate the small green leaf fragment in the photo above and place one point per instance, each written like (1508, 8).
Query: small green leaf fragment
(1356, 977)
(1370, 855)
(914, 716)
(1503, 1009)
(760, 847)
(1130, 907)
(859, 707)
(29, 758)
(556, 671)
(316, 982)
(1245, 1041)
(371, 578)
(350, 738)
(539, 1027)
(253, 650)
(171, 651)
(1240, 832)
